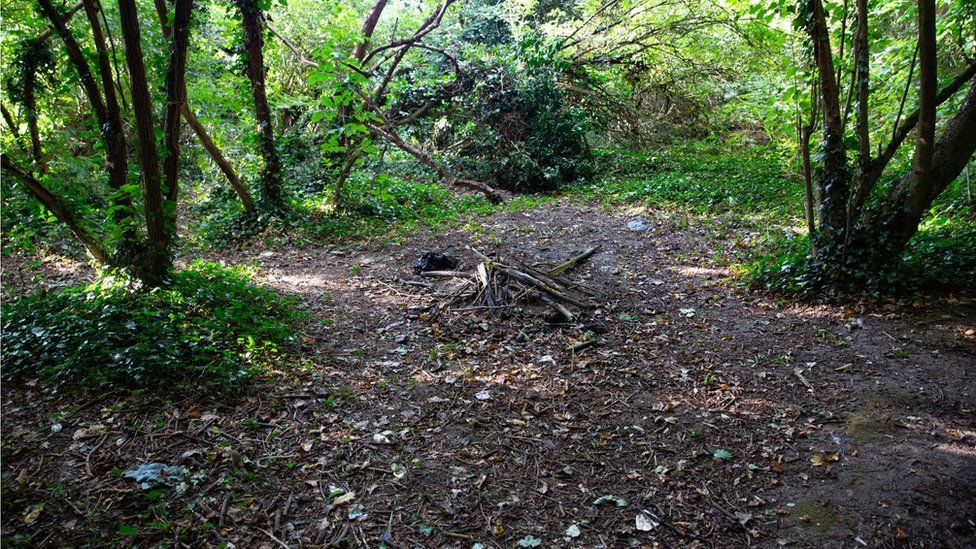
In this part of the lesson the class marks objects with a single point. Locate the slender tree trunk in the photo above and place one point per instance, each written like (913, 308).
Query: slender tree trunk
(928, 78)
(56, 207)
(900, 133)
(271, 192)
(863, 68)
(77, 59)
(359, 53)
(175, 103)
(109, 120)
(30, 113)
(805, 132)
(834, 182)
(113, 133)
(155, 267)
(212, 149)
(218, 157)
(911, 197)
(366, 32)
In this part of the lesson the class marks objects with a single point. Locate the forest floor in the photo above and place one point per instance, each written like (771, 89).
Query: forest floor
(703, 416)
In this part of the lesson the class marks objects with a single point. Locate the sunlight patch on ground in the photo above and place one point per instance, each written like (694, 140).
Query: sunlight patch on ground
(956, 449)
(690, 271)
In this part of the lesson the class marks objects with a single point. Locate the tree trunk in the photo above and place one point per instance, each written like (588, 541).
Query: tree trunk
(175, 103)
(113, 133)
(901, 132)
(834, 182)
(909, 199)
(155, 267)
(212, 149)
(805, 131)
(30, 113)
(56, 207)
(927, 72)
(109, 121)
(218, 157)
(271, 192)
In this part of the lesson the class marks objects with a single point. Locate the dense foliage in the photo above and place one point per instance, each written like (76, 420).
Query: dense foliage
(210, 329)
(212, 124)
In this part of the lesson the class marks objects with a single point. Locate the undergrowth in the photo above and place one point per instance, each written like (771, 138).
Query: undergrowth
(374, 205)
(703, 176)
(756, 184)
(212, 328)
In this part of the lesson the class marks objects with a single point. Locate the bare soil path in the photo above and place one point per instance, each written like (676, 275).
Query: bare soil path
(703, 416)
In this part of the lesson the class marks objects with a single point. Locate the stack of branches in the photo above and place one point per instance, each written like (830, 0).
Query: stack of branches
(502, 286)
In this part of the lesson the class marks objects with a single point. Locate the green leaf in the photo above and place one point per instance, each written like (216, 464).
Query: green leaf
(722, 454)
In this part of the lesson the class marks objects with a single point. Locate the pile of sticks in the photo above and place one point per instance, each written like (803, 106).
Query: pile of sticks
(501, 286)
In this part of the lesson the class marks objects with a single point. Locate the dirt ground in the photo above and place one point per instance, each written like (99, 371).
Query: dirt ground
(702, 416)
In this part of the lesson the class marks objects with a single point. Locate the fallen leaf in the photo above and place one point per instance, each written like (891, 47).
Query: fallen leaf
(31, 516)
(722, 454)
(618, 501)
(344, 498)
(529, 541)
(645, 521)
(823, 459)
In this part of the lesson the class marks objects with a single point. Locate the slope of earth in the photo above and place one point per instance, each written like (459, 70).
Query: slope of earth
(699, 415)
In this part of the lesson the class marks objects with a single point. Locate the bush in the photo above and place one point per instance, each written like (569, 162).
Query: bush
(211, 327)
(535, 142)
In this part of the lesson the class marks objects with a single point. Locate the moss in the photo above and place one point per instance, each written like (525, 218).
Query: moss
(871, 423)
(820, 515)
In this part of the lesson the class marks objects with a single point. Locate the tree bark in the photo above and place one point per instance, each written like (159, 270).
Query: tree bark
(113, 133)
(366, 32)
(908, 200)
(175, 103)
(805, 131)
(862, 67)
(928, 78)
(155, 267)
(54, 205)
(251, 18)
(833, 184)
(218, 157)
(212, 149)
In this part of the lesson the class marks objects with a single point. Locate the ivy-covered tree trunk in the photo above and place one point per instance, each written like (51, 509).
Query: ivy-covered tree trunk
(175, 102)
(834, 178)
(272, 197)
(155, 265)
(109, 121)
(113, 133)
(910, 198)
(30, 113)
(852, 242)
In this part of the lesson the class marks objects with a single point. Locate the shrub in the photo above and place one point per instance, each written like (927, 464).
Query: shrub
(535, 141)
(212, 326)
